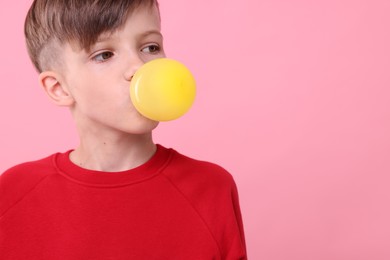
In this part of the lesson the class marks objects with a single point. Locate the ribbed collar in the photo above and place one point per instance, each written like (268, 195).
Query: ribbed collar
(87, 177)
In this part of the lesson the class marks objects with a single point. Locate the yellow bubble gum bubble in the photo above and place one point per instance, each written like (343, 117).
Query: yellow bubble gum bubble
(163, 89)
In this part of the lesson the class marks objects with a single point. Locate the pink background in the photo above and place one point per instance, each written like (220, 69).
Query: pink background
(293, 99)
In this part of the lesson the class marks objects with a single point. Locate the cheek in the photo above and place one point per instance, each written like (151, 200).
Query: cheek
(89, 94)
(94, 92)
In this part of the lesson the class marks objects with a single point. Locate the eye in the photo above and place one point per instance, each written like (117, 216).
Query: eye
(101, 57)
(151, 49)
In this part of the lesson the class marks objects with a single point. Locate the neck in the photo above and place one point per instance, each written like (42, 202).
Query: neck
(113, 153)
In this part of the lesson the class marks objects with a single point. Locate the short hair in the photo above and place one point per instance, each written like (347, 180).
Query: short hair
(52, 23)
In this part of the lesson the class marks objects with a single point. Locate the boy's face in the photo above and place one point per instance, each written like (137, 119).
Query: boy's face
(99, 80)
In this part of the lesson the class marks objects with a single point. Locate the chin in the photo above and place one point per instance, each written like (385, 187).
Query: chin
(145, 127)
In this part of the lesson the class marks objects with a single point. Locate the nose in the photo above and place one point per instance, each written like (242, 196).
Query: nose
(135, 62)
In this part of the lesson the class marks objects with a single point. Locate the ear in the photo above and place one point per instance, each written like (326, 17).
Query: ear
(57, 92)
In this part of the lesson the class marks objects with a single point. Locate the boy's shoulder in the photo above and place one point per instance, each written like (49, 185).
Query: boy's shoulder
(19, 180)
(186, 170)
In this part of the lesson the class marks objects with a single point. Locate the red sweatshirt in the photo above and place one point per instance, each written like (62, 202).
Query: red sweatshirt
(172, 207)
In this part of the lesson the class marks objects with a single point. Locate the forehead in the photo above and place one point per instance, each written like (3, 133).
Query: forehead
(141, 22)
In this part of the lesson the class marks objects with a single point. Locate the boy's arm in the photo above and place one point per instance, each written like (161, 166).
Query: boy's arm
(237, 210)
(213, 193)
(17, 182)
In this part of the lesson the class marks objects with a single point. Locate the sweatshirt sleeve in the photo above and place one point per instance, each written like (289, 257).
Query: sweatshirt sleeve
(18, 181)
(240, 225)
(213, 193)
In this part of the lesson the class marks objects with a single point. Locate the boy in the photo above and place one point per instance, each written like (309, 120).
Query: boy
(117, 195)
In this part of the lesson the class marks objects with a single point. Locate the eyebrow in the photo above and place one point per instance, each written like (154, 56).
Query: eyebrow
(142, 35)
(147, 33)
